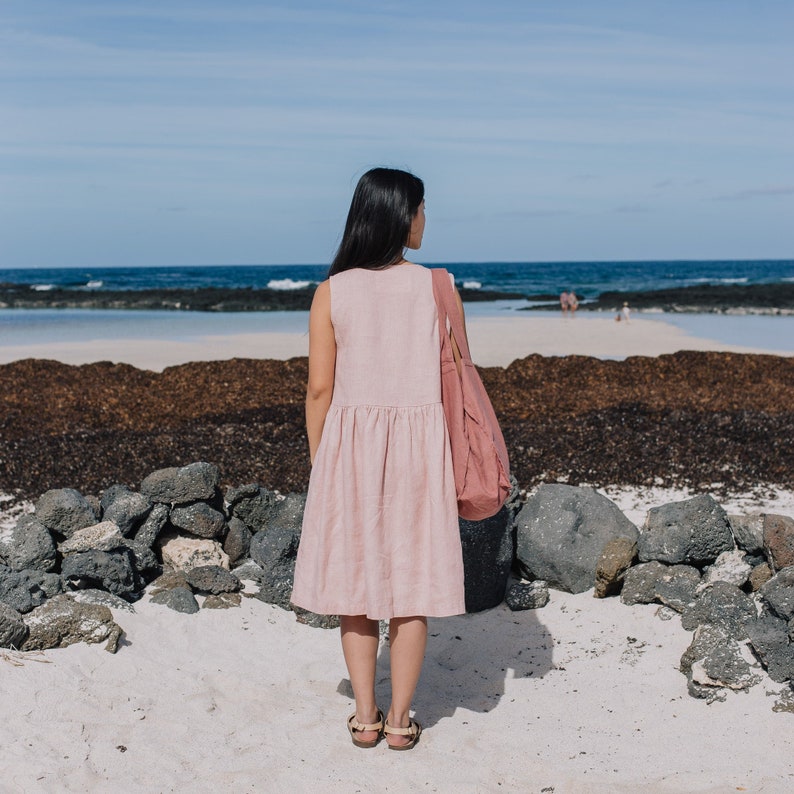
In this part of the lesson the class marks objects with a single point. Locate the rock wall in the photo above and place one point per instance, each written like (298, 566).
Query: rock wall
(186, 545)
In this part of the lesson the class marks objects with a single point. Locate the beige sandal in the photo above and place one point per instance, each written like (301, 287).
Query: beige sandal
(354, 726)
(414, 730)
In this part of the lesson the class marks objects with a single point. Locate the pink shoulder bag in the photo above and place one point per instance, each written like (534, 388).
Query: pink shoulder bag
(479, 454)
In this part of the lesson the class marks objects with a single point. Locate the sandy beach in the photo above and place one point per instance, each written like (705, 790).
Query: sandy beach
(496, 338)
(582, 696)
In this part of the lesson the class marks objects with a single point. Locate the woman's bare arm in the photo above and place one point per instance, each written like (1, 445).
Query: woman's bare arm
(322, 365)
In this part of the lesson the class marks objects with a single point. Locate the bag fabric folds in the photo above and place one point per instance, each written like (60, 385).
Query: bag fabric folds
(479, 454)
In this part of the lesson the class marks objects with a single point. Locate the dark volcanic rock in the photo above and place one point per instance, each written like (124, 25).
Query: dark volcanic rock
(64, 511)
(676, 588)
(25, 590)
(724, 605)
(13, 630)
(527, 595)
(237, 542)
(561, 534)
(29, 545)
(180, 599)
(714, 659)
(748, 530)
(487, 558)
(198, 519)
(149, 531)
(694, 531)
(778, 593)
(253, 505)
(125, 508)
(671, 585)
(182, 485)
(213, 579)
(769, 637)
(275, 549)
(112, 571)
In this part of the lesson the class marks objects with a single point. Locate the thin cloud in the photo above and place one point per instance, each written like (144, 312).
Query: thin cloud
(632, 208)
(757, 192)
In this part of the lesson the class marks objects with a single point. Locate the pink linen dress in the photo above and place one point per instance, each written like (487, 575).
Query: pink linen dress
(380, 530)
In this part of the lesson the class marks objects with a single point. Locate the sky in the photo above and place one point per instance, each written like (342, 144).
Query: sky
(162, 132)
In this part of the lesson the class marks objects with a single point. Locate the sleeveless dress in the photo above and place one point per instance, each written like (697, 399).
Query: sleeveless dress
(380, 530)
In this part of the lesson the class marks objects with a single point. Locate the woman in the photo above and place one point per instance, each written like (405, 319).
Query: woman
(380, 538)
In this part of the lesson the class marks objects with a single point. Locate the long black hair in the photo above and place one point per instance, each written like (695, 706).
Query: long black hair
(384, 204)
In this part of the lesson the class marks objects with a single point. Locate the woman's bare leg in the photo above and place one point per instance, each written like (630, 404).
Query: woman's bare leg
(407, 640)
(360, 647)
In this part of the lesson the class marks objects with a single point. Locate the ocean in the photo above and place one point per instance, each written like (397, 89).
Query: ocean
(588, 279)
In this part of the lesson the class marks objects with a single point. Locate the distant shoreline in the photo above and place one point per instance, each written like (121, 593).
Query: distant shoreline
(769, 299)
(199, 299)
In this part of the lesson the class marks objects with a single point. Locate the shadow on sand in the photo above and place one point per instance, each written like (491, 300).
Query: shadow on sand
(468, 659)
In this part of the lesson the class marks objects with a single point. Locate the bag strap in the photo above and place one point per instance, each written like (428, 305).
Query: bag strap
(448, 309)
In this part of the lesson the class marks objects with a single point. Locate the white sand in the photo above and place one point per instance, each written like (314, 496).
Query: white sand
(495, 341)
(581, 696)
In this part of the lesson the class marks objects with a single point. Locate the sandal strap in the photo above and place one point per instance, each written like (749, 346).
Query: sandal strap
(411, 730)
(360, 726)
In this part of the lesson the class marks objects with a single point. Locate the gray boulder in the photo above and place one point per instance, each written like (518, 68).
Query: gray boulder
(779, 541)
(28, 545)
(198, 519)
(180, 599)
(182, 485)
(748, 532)
(677, 587)
(144, 562)
(275, 549)
(770, 640)
(721, 604)
(62, 621)
(65, 511)
(650, 582)
(253, 505)
(487, 558)
(778, 593)
(13, 630)
(26, 590)
(124, 507)
(694, 532)
(715, 660)
(113, 571)
(50, 584)
(561, 533)
(238, 541)
(616, 558)
(149, 531)
(213, 579)
(527, 595)
(639, 583)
